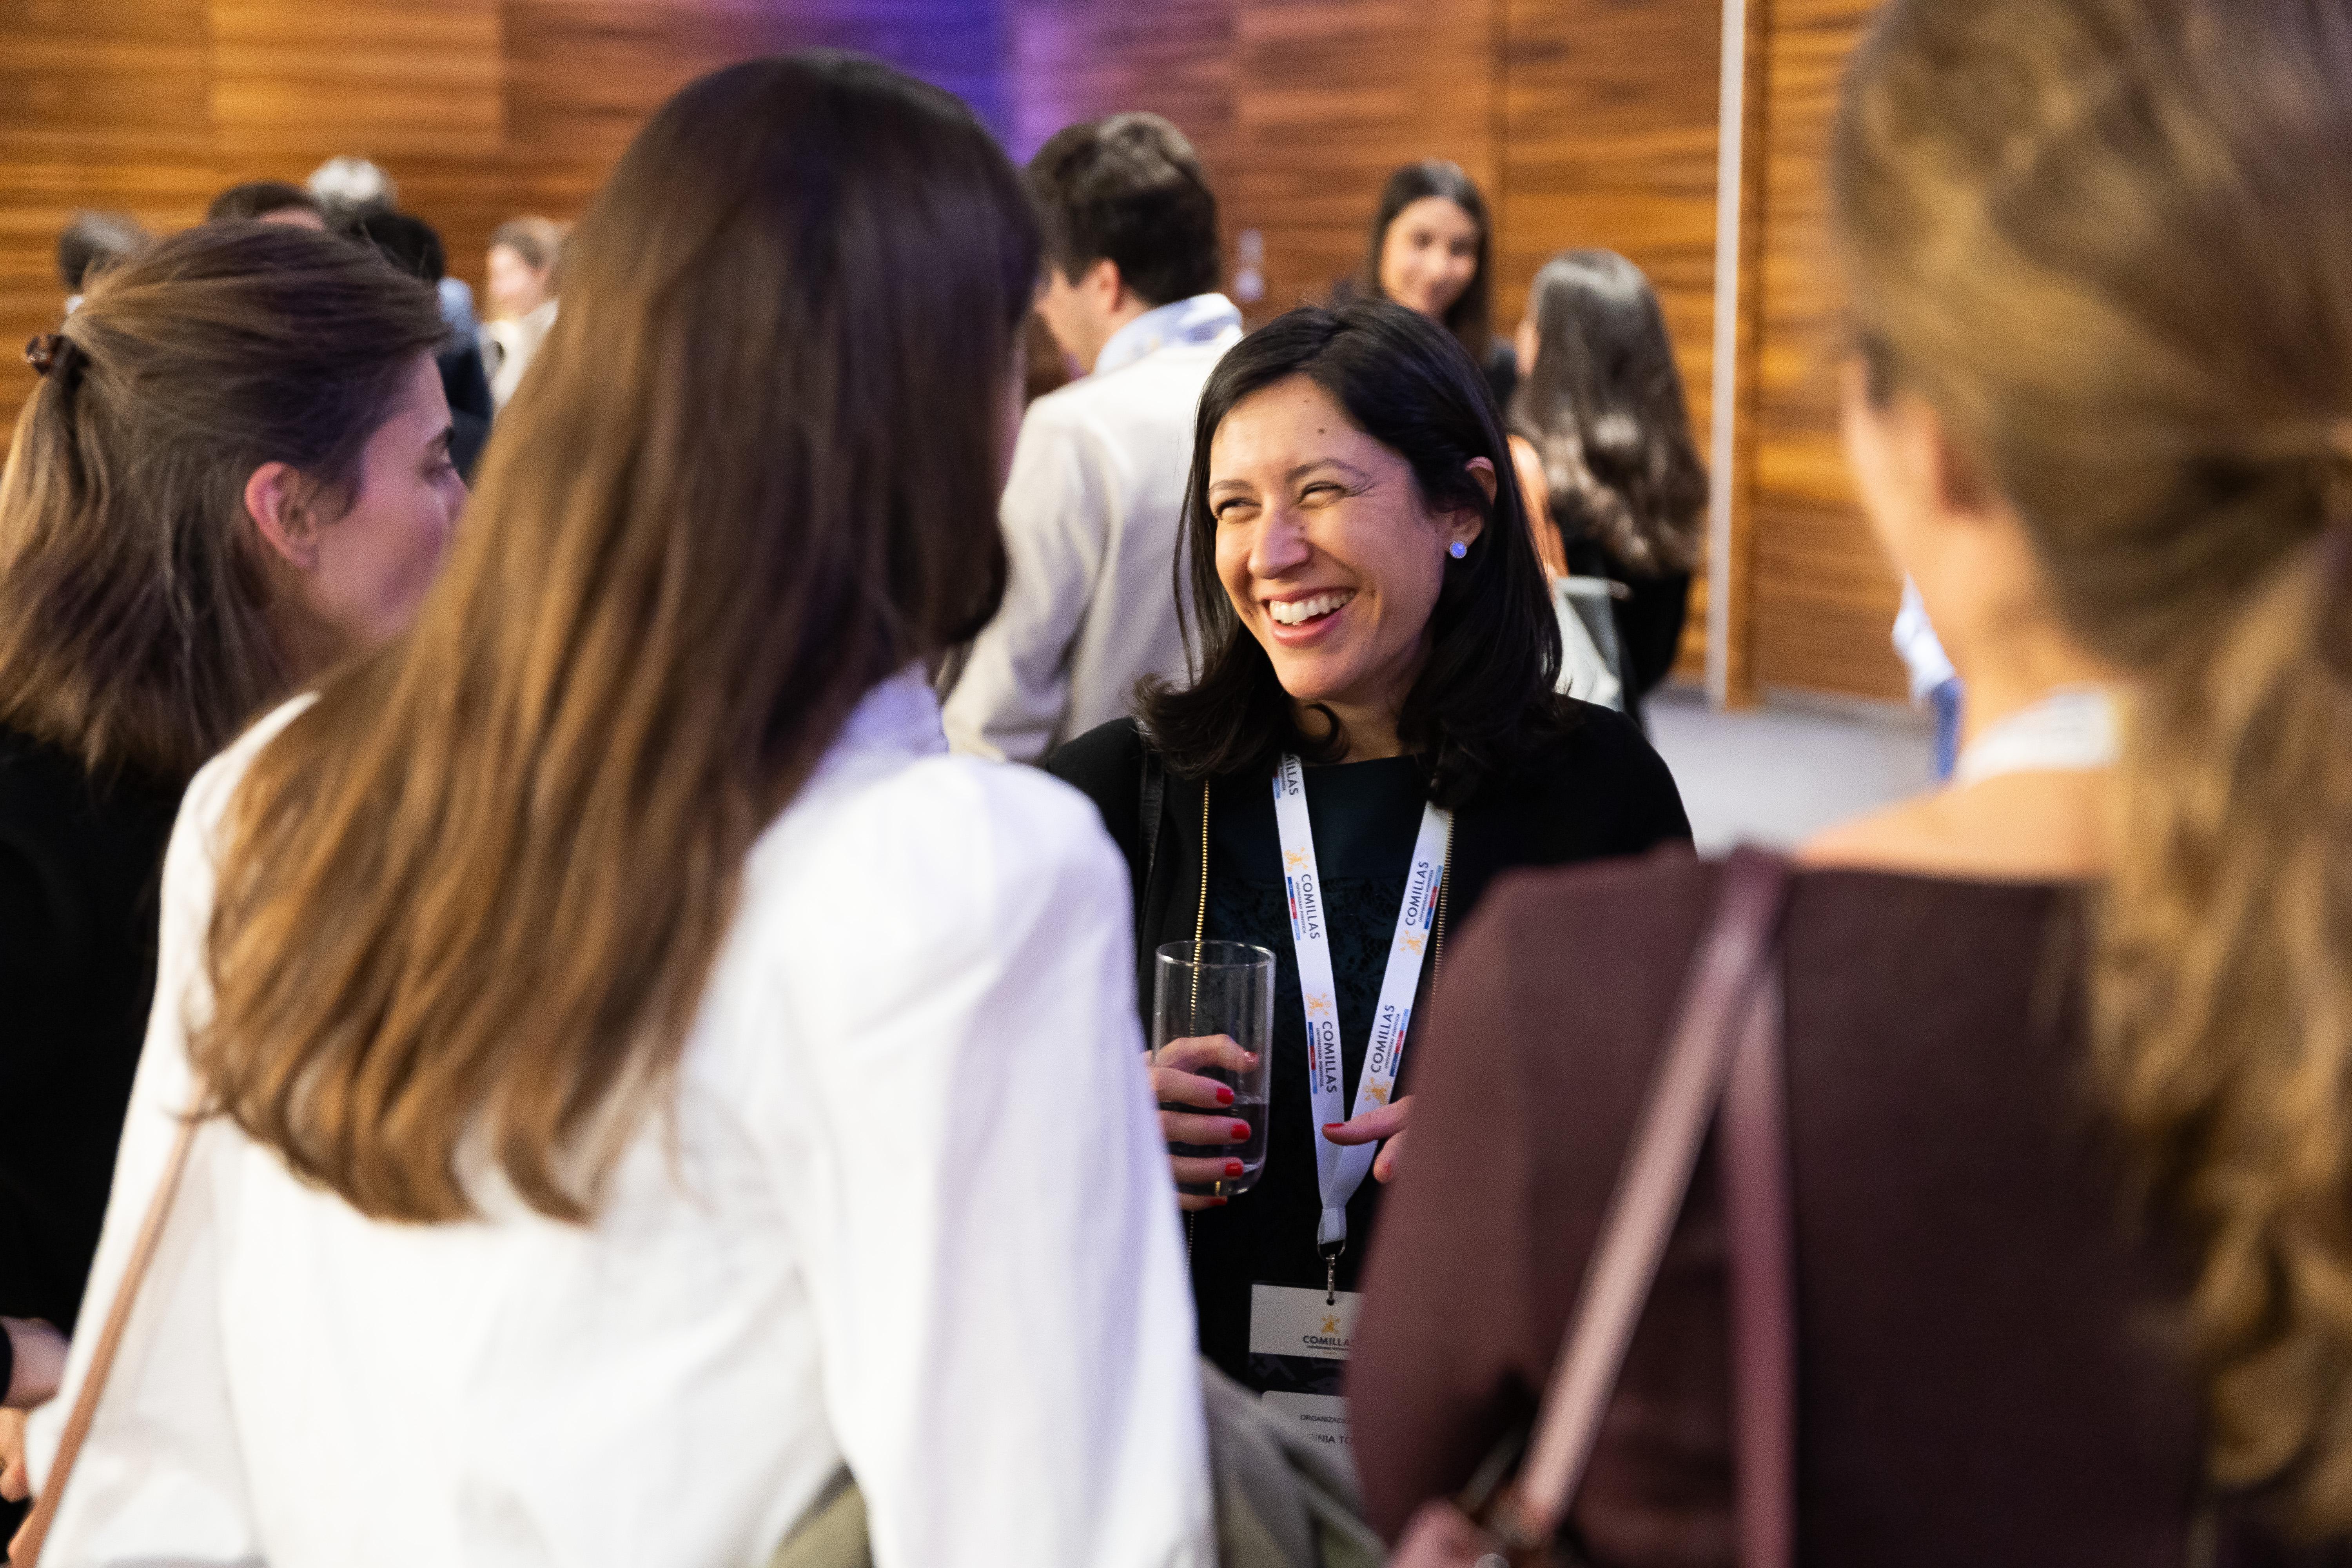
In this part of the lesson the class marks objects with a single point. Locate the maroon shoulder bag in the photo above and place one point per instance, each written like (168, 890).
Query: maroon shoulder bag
(1724, 1053)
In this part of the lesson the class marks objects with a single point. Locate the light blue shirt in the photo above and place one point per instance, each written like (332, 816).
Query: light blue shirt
(1199, 320)
(456, 306)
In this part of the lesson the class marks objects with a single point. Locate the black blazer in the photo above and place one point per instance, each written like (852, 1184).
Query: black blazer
(80, 863)
(1595, 792)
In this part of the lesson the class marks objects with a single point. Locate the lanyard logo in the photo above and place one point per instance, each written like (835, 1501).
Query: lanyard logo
(1422, 893)
(1305, 909)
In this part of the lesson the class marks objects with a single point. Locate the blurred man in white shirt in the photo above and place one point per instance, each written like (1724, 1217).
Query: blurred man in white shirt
(1093, 507)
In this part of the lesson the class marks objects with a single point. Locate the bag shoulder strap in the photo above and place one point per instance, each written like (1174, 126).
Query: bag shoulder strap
(26, 1550)
(1148, 819)
(1760, 1215)
(1718, 1008)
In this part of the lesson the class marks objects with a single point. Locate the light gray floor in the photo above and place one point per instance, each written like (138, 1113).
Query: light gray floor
(1776, 774)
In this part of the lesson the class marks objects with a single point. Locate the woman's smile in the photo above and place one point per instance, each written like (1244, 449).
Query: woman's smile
(1300, 618)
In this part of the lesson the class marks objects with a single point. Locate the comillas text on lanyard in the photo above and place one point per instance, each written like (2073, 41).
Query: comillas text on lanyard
(1339, 1172)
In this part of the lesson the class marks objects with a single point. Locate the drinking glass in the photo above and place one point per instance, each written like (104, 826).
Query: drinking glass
(1209, 997)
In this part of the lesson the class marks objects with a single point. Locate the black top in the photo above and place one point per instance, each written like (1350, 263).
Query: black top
(1502, 368)
(467, 384)
(1365, 816)
(1649, 618)
(80, 864)
(1599, 791)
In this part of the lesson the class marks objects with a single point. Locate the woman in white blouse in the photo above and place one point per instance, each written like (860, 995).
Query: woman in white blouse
(640, 1073)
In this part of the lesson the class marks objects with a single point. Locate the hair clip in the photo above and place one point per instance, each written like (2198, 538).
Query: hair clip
(41, 352)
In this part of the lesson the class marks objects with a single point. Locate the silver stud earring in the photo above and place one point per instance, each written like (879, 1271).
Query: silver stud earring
(1457, 550)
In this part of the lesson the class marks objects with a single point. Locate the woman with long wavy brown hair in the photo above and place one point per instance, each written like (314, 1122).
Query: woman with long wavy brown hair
(2069, 1043)
(640, 1074)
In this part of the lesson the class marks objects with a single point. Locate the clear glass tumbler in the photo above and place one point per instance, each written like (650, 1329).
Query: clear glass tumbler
(1213, 1006)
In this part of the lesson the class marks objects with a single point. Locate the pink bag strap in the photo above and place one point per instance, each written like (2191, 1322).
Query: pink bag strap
(1729, 1008)
(25, 1550)
(1759, 1214)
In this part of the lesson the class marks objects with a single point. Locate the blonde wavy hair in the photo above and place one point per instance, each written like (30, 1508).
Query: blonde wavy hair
(2111, 242)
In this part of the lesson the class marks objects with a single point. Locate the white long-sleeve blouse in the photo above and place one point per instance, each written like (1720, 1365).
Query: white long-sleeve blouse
(909, 1210)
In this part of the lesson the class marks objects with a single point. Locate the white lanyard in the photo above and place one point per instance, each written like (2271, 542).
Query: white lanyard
(2072, 729)
(1339, 1172)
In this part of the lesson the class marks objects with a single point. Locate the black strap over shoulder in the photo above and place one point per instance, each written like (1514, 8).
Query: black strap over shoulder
(1154, 806)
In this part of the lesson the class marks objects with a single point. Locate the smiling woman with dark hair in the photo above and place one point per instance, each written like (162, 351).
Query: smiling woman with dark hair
(1370, 622)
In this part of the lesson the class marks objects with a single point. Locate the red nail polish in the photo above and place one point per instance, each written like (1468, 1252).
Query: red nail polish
(1216, 1203)
(1333, 1126)
(1232, 1167)
(1224, 1095)
(1241, 1131)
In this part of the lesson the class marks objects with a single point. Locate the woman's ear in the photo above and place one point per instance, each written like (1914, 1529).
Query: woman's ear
(1961, 480)
(1483, 471)
(1467, 524)
(274, 500)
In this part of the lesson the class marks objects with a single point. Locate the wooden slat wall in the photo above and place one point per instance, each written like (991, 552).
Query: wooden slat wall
(1590, 123)
(1300, 108)
(1609, 139)
(100, 106)
(1075, 59)
(1330, 96)
(1821, 598)
(482, 110)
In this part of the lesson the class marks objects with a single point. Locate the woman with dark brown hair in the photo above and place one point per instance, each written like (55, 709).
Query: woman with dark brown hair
(637, 1072)
(2068, 1044)
(1602, 440)
(233, 470)
(1375, 733)
(1431, 249)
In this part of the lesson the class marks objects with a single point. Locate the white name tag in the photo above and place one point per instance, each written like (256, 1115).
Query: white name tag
(1287, 1321)
(1320, 1417)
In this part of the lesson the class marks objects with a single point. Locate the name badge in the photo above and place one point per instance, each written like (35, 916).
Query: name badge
(1298, 1344)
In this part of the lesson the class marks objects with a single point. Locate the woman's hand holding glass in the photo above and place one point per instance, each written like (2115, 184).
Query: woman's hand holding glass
(1206, 1115)
(1211, 1033)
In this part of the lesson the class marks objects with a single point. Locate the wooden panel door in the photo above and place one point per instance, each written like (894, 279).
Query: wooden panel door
(1609, 140)
(1821, 596)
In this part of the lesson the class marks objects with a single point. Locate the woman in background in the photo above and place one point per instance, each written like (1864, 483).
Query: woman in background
(645, 1072)
(2101, 280)
(1601, 438)
(234, 470)
(523, 267)
(1432, 251)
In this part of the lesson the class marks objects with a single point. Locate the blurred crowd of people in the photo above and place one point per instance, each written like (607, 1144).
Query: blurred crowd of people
(703, 927)
(487, 351)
